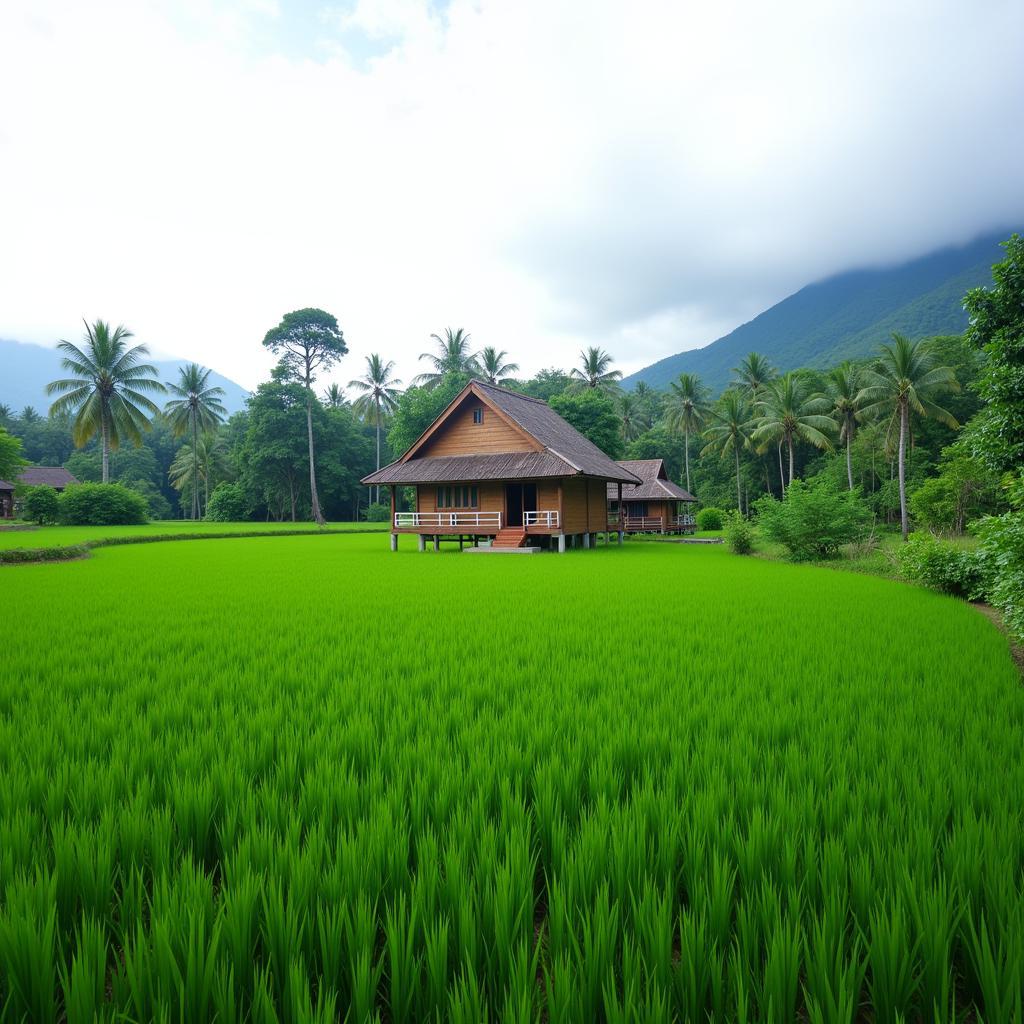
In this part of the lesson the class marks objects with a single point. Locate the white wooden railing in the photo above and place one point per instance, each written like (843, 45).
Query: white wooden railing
(541, 519)
(451, 520)
(643, 522)
(683, 521)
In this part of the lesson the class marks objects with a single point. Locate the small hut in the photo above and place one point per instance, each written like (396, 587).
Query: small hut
(655, 505)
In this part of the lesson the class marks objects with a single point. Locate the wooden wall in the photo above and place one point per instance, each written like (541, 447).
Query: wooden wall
(459, 435)
(490, 494)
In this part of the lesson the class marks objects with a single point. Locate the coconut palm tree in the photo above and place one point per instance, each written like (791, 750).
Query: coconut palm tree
(630, 416)
(199, 466)
(379, 395)
(30, 415)
(844, 382)
(106, 390)
(728, 431)
(594, 372)
(492, 367)
(6, 414)
(196, 407)
(334, 397)
(687, 409)
(452, 356)
(905, 380)
(649, 402)
(753, 375)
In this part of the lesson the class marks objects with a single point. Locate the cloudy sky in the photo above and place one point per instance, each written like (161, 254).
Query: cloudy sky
(642, 175)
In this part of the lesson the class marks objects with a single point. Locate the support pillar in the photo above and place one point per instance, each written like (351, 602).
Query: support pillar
(586, 540)
(621, 535)
(394, 542)
(437, 542)
(561, 543)
(423, 542)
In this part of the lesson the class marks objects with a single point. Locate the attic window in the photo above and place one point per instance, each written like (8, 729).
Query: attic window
(478, 415)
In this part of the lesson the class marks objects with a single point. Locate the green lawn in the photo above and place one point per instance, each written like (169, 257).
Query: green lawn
(59, 536)
(306, 778)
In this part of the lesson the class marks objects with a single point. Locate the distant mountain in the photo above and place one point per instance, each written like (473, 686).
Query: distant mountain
(25, 370)
(846, 316)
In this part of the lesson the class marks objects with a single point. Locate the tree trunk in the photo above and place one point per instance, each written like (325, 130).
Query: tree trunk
(291, 494)
(195, 467)
(377, 403)
(849, 463)
(789, 444)
(106, 446)
(686, 455)
(739, 494)
(904, 522)
(318, 516)
(782, 472)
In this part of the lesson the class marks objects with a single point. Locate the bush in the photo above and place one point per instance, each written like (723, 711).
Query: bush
(227, 504)
(40, 505)
(739, 534)
(709, 519)
(377, 512)
(1000, 561)
(940, 565)
(102, 505)
(814, 520)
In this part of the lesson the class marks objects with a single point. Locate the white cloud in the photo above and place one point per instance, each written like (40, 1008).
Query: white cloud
(547, 175)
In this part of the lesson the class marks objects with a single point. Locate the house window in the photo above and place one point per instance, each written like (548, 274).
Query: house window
(478, 415)
(462, 496)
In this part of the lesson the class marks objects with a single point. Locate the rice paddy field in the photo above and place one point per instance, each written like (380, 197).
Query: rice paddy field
(305, 779)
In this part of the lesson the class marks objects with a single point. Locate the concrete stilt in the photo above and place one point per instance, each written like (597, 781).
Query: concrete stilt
(561, 543)
(394, 542)
(437, 542)
(586, 540)
(423, 542)
(621, 535)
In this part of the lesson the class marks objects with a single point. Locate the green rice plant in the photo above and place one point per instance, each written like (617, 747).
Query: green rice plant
(892, 956)
(28, 977)
(997, 967)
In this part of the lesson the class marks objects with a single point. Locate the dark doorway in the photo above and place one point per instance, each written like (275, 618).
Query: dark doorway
(519, 498)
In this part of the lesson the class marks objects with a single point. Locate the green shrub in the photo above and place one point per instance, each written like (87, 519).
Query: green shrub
(814, 520)
(709, 519)
(940, 565)
(739, 534)
(228, 504)
(1000, 561)
(377, 512)
(40, 504)
(102, 505)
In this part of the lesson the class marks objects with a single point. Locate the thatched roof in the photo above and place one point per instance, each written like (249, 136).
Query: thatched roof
(566, 452)
(654, 483)
(48, 476)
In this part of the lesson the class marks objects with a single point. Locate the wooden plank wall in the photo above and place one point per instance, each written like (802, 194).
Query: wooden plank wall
(461, 436)
(491, 496)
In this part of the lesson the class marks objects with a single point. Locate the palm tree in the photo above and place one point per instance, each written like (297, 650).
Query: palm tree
(491, 365)
(630, 416)
(728, 430)
(379, 395)
(105, 392)
(334, 397)
(452, 356)
(788, 412)
(199, 465)
(649, 402)
(196, 407)
(906, 380)
(594, 372)
(844, 385)
(754, 374)
(30, 415)
(688, 406)
(6, 413)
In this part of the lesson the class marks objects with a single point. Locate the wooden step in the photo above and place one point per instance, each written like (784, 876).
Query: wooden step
(510, 537)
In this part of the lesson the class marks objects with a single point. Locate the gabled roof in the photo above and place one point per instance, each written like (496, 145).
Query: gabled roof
(654, 483)
(5, 486)
(49, 476)
(564, 451)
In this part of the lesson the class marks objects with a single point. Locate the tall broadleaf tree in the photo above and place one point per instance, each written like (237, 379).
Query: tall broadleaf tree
(687, 410)
(379, 395)
(108, 392)
(196, 408)
(906, 380)
(492, 365)
(728, 431)
(789, 412)
(844, 384)
(453, 356)
(595, 370)
(307, 341)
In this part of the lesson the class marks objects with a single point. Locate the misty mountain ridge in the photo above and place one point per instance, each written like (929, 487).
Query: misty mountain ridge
(846, 316)
(26, 369)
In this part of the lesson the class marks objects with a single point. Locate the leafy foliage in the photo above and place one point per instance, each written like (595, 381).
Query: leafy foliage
(102, 505)
(940, 564)
(593, 414)
(710, 519)
(11, 461)
(228, 504)
(377, 512)
(452, 358)
(595, 371)
(739, 534)
(963, 490)
(1000, 559)
(40, 504)
(814, 520)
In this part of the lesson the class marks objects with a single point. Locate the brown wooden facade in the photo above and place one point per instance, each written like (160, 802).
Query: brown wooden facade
(655, 505)
(500, 466)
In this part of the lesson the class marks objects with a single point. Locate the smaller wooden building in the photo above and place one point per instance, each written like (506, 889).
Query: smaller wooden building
(33, 476)
(655, 505)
